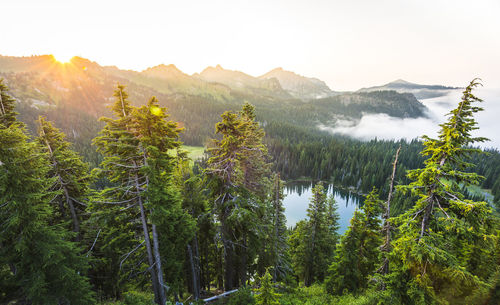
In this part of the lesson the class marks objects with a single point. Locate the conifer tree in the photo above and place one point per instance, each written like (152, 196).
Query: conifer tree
(313, 241)
(357, 254)
(298, 248)
(194, 201)
(333, 219)
(254, 163)
(137, 161)
(273, 254)
(70, 172)
(237, 164)
(265, 293)
(122, 166)
(279, 247)
(443, 226)
(44, 266)
(171, 226)
(7, 113)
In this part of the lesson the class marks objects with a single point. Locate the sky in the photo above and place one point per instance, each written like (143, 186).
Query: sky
(348, 44)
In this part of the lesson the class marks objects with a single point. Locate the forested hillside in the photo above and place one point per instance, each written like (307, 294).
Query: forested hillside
(114, 207)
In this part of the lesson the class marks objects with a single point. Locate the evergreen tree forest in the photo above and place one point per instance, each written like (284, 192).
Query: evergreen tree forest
(135, 221)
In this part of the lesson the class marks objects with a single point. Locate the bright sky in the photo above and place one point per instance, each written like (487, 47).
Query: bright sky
(349, 44)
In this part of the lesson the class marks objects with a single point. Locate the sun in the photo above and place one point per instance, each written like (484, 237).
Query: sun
(63, 58)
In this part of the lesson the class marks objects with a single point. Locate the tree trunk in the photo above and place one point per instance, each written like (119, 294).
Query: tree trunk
(159, 270)
(154, 278)
(1, 103)
(76, 222)
(425, 218)
(69, 202)
(194, 273)
(386, 247)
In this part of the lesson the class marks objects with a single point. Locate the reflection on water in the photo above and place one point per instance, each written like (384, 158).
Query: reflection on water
(297, 199)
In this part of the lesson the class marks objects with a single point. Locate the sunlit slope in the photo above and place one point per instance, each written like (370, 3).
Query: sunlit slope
(84, 88)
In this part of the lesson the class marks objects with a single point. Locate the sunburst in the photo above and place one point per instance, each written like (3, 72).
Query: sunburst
(63, 58)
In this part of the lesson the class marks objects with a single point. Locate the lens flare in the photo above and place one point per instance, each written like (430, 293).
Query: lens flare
(63, 58)
(155, 110)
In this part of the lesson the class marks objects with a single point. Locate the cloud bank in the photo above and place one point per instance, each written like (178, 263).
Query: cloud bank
(383, 126)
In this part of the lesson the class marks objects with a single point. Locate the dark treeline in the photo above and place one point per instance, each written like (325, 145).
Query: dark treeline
(160, 228)
(305, 153)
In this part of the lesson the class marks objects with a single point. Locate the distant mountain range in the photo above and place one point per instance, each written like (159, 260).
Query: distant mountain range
(419, 91)
(298, 86)
(75, 93)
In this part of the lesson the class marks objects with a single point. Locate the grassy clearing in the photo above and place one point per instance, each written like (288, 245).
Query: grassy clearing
(476, 191)
(194, 152)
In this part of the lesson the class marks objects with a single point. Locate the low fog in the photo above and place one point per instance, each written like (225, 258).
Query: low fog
(383, 126)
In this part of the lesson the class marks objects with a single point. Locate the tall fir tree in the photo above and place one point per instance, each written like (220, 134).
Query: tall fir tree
(274, 254)
(171, 227)
(195, 202)
(437, 235)
(135, 146)
(7, 113)
(38, 262)
(313, 241)
(357, 254)
(238, 168)
(70, 172)
(280, 262)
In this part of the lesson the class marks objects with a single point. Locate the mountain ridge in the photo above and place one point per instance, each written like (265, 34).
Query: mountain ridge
(305, 88)
(420, 91)
(64, 91)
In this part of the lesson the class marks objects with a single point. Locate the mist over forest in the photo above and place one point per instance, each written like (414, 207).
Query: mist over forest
(382, 126)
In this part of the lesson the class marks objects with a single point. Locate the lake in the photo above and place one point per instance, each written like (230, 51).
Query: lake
(297, 199)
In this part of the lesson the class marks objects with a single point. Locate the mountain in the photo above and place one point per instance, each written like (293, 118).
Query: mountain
(354, 105)
(168, 79)
(75, 94)
(420, 91)
(243, 82)
(299, 86)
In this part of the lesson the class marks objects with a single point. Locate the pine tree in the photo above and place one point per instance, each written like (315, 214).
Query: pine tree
(273, 254)
(136, 147)
(278, 243)
(7, 113)
(122, 165)
(70, 172)
(195, 202)
(172, 228)
(44, 266)
(443, 226)
(333, 218)
(313, 241)
(265, 293)
(237, 167)
(357, 254)
(254, 156)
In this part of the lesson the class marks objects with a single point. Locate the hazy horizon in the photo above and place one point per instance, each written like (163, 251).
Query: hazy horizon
(349, 45)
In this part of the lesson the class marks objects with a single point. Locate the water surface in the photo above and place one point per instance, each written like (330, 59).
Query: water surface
(298, 195)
